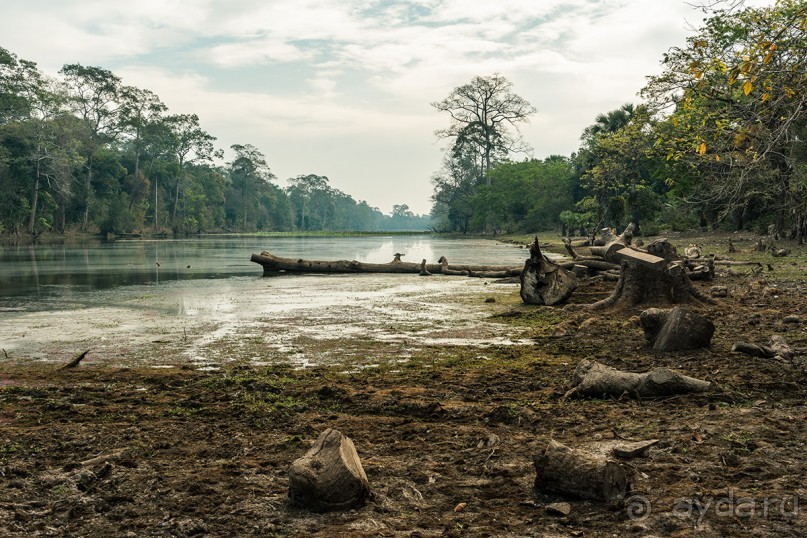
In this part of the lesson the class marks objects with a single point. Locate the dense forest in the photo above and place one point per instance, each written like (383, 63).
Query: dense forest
(85, 152)
(719, 141)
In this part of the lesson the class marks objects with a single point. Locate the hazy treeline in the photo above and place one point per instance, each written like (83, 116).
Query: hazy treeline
(84, 151)
(720, 140)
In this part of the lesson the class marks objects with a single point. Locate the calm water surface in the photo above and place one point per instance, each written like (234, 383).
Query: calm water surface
(34, 277)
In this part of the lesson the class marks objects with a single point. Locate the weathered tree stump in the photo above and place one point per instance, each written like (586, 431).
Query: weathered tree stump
(654, 276)
(544, 282)
(329, 476)
(581, 474)
(676, 329)
(596, 380)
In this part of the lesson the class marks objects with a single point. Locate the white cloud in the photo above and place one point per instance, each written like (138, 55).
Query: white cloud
(256, 51)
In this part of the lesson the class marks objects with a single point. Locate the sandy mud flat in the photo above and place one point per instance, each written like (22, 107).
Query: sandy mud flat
(303, 320)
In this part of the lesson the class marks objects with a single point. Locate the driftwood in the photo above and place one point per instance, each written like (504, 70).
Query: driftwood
(544, 282)
(636, 449)
(613, 243)
(594, 379)
(676, 329)
(581, 474)
(273, 265)
(329, 476)
(777, 348)
(76, 360)
(730, 263)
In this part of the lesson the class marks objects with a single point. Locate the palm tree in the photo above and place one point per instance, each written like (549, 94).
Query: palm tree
(610, 122)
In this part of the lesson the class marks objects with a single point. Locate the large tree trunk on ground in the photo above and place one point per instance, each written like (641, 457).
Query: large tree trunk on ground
(544, 282)
(581, 474)
(275, 264)
(597, 380)
(329, 476)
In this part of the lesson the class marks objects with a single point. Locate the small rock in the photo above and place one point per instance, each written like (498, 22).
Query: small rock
(719, 291)
(562, 509)
(490, 300)
(491, 440)
(460, 507)
(791, 319)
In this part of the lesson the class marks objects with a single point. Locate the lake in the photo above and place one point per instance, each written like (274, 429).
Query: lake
(163, 301)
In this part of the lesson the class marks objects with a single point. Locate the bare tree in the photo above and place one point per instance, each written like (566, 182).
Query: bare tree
(485, 114)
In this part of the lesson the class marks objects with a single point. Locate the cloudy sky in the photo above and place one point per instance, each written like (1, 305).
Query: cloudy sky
(342, 88)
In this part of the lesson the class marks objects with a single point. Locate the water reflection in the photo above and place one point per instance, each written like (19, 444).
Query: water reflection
(69, 270)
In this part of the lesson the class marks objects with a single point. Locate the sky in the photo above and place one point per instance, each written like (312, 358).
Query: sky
(343, 88)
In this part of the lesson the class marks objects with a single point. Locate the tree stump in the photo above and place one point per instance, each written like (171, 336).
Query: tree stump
(544, 282)
(329, 476)
(581, 474)
(654, 276)
(596, 380)
(677, 329)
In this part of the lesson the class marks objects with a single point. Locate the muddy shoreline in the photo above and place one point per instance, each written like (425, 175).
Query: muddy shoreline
(446, 429)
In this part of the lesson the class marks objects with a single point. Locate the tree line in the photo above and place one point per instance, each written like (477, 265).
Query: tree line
(720, 140)
(83, 151)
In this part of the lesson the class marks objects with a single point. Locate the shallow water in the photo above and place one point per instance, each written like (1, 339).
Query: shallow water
(30, 275)
(206, 303)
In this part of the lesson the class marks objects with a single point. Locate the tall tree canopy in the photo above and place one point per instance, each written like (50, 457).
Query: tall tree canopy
(83, 150)
(485, 114)
(736, 100)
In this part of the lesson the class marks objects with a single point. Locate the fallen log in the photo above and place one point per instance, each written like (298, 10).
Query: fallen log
(596, 380)
(581, 474)
(777, 348)
(613, 243)
(730, 263)
(273, 265)
(590, 263)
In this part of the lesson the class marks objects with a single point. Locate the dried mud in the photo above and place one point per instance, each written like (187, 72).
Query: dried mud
(446, 432)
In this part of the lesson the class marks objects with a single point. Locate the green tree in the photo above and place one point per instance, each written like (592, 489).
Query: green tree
(622, 165)
(139, 110)
(307, 194)
(735, 98)
(93, 96)
(249, 174)
(191, 145)
(525, 196)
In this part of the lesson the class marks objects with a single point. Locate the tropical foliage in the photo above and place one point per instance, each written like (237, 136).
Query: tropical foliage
(84, 151)
(720, 141)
